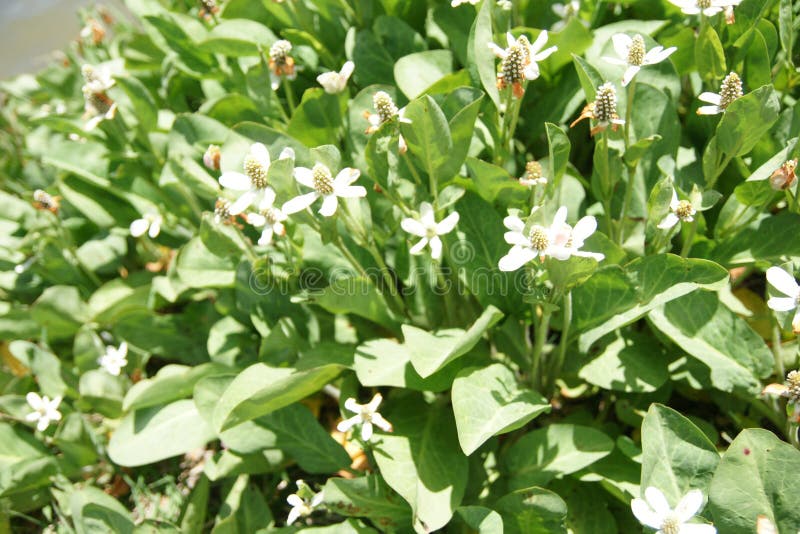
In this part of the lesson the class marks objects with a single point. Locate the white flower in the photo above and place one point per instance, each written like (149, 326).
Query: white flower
(559, 241)
(603, 110)
(330, 189)
(653, 511)
(335, 82)
(97, 108)
(456, 3)
(253, 182)
(534, 175)
(366, 415)
(385, 111)
(98, 79)
(679, 210)
(519, 60)
(44, 410)
(730, 90)
(632, 53)
(785, 283)
(281, 64)
(271, 219)
(565, 12)
(302, 507)
(150, 223)
(706, 7)
(429, 230)
(114, 359)
(211, 157)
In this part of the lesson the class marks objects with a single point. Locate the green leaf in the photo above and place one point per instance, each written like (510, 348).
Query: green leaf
(786, 26)
(676, 455)
(700, 324)
(260, 389)
(432, 351)
(558, 147)
(60, 310)
(198, 267)
(238, 37)
(589, 76)
(553, 451)
(172, 382)
(420, 461)
(488, 402)
(633, 363)
(494, 184)
(614, 296)
(756, 477)
(428, 135)
(746, 120)
(414, 73)
(356, 295)
(462, 129)
(153, 434)
(756, 190)
(244, 509)
(144, 107)
(369, 497)
(709, 56)
(480, 58)
(223, 240)
(480, 520)
(532, 511)
(769, 239)
(317, 119)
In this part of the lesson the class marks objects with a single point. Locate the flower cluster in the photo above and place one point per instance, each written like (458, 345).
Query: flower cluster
(519, 61)
(98, 105)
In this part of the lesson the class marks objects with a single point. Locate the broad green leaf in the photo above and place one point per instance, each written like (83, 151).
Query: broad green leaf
(746, 120)
(756, 190)
(480, 520)
(676, 455)
(238, 37)
(553, 451)
(533, 511)
(420, 461)
(416, 72)
(244, 509)
(614, 296)
(223, 240)
(480, 59)
(494, 184)
(633, 363)
(462, 130)
(153, 434)
(786, 24)
(317, 119)
(558, 147)
(709, 55)
(369, 497)
(432, 351)
(356, 295)
(428, 135)
(756, 477)
(590, 78)
(198, 267)
(93, 510)
(172, 382)
(488, 402)
(261, 389)
(142, 102)
(60, 310)
(699, 323)
(769, 239)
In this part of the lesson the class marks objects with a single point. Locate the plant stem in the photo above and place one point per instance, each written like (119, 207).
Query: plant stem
(536, 356)
(287, 88)
(562, 345)
(689, 241)
(629, 112)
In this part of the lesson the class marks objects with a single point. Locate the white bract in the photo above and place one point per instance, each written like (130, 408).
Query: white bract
(271, 219)
(150, 223)
(730, 90)
(632, 54)
(335, 82)
(706, 7)
(679, 210)
(44, 410)
(330, 189)
(302, 507)
(456, 3)
(429, 230)
(786, 284)
(654, 511)
(253, 183)
(565, 12)
(559, 240)
(520, 59)
(114, 359)
(366, 415)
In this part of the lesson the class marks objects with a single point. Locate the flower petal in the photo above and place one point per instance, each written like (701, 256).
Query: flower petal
(657, 501)
(499, 52)
(622, 43)
(658, 54)
(346, 177)
(34, 400)
(351, 191)
(669, 221)
(689, 505)
(709, 110)
(242, 203)
(782, 304)
(630, 72)
(517, 238)
(295, 501)
(260, 152)
(234, 180)
(646, 516)
(139, 227)
(512, 222)
(155, 228)
(256, 219)
(711, 98)
(266, 236)
(299, 203)
(347, 70)
(516, 258)
(382, 423)
(352, 405)
(304, 176)
(417, 249)
(447, 224)
(329, 205)
(347, 424)
(267, 199)
(783, 282)
(366, 431)
(697, 528)
(426, 214)
(436, 247)
(294, 513)
(413, 227)
(583, 229)
(539, 43)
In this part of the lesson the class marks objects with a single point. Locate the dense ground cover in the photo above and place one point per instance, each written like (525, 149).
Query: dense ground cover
(391, 265)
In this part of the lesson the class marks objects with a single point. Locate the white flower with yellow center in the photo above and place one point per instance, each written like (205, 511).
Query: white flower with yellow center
(632, 54)
(679, 210)
(335, 82)
(534, 175)
(150, 223)
(559, 240)
(429, 230)
(789, 389)
(519, 62)
(44, 410)
(326, 186)
(302, 507)
(366, 415)
(114, 359)
(98, 79)
(654, 511)
(708, 8)
(786, 284)
(603, 110)
(565, 12)
(253, 183)
(730, 90)
(271, 219)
